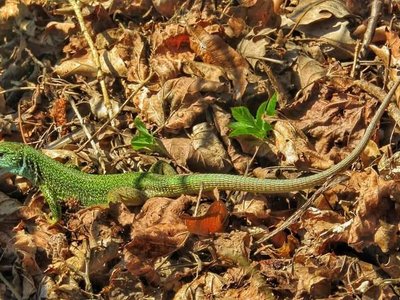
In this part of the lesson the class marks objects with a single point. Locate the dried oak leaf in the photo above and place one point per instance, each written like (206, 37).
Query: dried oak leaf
(185, 100)
(214, 50)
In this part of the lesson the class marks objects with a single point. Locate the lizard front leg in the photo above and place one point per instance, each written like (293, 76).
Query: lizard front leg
(54, 205)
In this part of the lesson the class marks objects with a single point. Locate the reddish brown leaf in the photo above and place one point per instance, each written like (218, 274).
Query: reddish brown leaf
(213, 221)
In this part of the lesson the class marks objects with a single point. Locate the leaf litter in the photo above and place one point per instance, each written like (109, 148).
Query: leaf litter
(176, 71)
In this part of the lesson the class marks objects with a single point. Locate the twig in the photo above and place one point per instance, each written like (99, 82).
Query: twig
(95, 56)
(393, 110)
(117, 113)
(355, 59)
(289, 221)
(376, 7)
(87, 133)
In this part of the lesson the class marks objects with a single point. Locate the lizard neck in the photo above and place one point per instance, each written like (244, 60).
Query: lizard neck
(39, 168)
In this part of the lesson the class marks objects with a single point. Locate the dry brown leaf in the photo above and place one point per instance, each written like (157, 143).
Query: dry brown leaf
(185, 102)
(207, 284)
(308, 12)
(254, 208)
(334, 118)
(203, 70)
(8, 206)
(213, 50)
(375, 221)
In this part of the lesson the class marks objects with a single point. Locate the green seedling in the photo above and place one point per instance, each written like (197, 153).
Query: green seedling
(246, 124)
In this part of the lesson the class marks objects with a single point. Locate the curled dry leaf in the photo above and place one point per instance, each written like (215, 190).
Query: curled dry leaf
(110, 63)
(254, 45)
(308, 12)
(213, 50)
(332, 29)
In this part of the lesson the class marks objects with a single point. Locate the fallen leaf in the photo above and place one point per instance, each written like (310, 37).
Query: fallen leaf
(213, 221)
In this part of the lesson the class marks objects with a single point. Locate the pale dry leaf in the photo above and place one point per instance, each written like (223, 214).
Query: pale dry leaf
(374, 205)
(309, 71)
(82, 65)
(253, 207)
(97, 105)
(308, 12)
(255, 44)
(64, 27)
(389, 168)
(203, 70)
(293, 146)
(209, 154)
(180, 149)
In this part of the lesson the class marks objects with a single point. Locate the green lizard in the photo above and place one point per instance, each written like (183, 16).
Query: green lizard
(58, 182)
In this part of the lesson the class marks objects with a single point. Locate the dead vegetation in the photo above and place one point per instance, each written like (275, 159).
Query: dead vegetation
(75, 75)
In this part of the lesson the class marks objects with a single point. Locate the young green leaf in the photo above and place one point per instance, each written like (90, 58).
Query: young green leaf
(246, 124)
(271, 108)
(143, 139)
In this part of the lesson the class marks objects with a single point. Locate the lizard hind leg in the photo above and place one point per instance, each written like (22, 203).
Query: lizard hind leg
(53, 203)
(127, 195)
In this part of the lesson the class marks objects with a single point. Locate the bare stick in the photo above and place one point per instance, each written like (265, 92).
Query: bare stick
(95, 55)
(376, 7)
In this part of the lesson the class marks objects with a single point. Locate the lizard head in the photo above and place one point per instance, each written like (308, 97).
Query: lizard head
(12, 157)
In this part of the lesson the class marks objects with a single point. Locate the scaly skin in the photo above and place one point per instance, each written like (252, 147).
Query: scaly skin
(58, 182)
